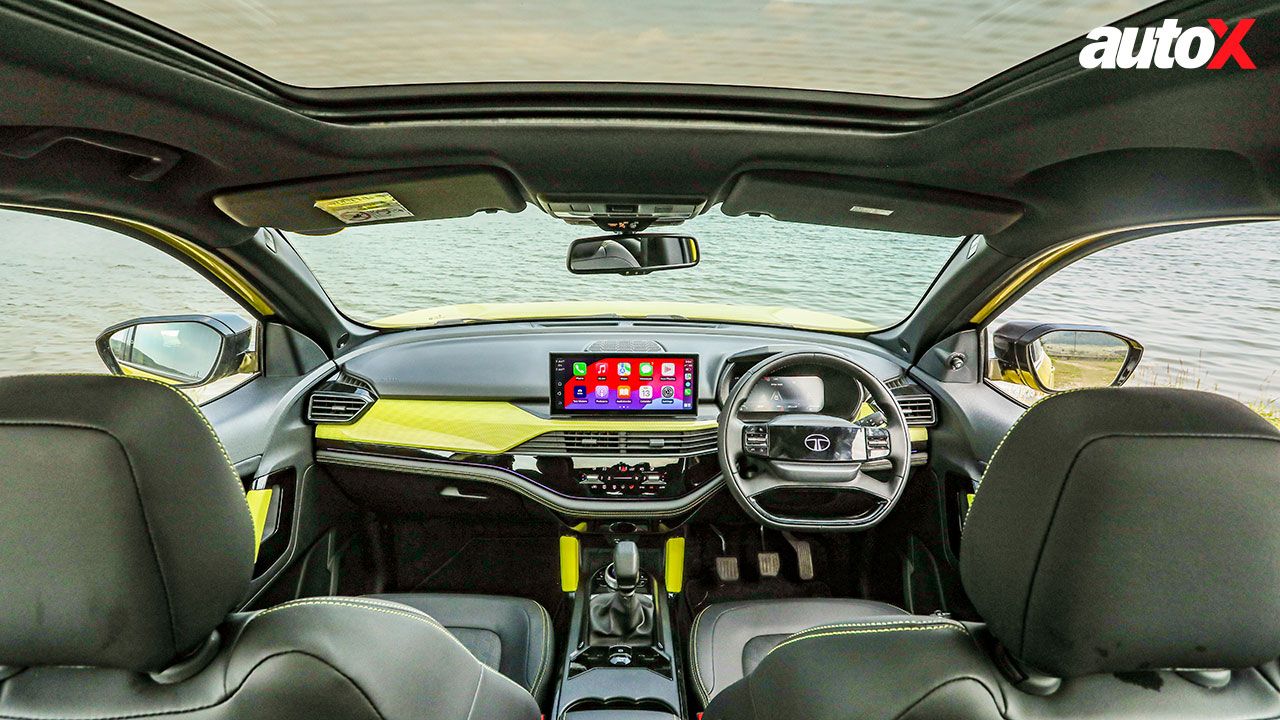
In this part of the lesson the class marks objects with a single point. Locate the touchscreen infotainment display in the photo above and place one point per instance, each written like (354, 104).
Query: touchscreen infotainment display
(624, 384)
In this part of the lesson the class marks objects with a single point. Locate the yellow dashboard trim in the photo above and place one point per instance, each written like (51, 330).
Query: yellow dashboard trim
(470, 426)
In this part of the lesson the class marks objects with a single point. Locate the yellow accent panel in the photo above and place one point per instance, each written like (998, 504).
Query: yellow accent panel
(1039, 263)
(569, 550)
(760, 314)
(674, 572)
(207, 260)
(918, 434)
(129, 371)
(484, 427)
(259, 503)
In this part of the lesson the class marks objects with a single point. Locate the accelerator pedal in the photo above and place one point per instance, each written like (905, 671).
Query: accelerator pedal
(804, 555)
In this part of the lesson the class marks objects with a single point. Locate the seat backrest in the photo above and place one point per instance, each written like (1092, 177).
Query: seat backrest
(126, 541)
(1122, 550)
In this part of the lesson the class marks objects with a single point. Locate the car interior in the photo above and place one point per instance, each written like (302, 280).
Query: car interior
(465, 513)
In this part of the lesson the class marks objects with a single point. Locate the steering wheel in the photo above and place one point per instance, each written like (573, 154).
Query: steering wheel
(810, 451)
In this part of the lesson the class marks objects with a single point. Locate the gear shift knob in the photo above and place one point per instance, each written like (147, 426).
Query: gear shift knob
(626, 566)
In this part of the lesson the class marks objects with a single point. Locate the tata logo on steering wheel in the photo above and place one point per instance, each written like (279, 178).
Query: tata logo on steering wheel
(817, 442)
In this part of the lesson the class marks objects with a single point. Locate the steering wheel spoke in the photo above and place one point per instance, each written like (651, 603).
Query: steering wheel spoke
(791, 475)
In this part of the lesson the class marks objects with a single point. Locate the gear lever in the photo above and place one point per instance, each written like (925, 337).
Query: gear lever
(626, 566)
(622, 615)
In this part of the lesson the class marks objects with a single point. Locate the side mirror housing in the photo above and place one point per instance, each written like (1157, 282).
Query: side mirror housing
(1053, 357)
(631, 254)
(179, 350)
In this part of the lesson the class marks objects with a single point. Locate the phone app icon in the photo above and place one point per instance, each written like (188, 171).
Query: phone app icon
(646, 392)
(668, 370)
(579, 369)
(624, 369)
(646, 369)
(602, 391)
(580, 391)
(624, 392)
(668, 391)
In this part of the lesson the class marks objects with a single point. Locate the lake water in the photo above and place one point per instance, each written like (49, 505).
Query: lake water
(1204, 302)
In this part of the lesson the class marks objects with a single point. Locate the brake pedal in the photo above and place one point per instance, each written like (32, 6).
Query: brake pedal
(804, 555)
(770, 562)
(727, 569)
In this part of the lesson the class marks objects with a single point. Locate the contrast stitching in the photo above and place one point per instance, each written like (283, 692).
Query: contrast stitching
(693, 655)
(337, 603)
(235, 477)
(546, 656)
(904, 628)
(890, 623)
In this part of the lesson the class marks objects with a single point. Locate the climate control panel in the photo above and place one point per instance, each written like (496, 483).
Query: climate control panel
(624, 480)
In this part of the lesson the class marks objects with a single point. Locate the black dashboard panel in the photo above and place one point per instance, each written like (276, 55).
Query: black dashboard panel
(508, 361)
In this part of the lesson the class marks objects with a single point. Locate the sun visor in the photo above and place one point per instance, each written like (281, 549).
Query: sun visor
(329, 204)
(841, 200)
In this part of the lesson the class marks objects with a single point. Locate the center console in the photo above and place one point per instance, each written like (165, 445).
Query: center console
(622, 661)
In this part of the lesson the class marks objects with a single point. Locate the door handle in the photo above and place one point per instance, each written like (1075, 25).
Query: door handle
(453, 492)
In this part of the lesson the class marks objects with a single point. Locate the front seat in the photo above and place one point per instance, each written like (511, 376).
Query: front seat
(1123, 551)
(125, 544)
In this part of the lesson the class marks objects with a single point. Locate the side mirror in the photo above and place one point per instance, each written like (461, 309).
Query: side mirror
(179, 350)
(631, 254)
(1053, 358)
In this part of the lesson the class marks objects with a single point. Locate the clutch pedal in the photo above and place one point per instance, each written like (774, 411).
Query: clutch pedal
(726, 565)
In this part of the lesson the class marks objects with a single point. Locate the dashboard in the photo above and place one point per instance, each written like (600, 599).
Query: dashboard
(587, 421)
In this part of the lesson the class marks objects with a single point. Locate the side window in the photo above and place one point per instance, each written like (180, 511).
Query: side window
(1202, 302)
(63, 283)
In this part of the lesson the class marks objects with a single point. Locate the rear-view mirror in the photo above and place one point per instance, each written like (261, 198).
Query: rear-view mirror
(1054, 358)
(632, 254)
(180, 350)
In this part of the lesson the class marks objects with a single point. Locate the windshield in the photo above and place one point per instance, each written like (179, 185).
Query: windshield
(506, 266)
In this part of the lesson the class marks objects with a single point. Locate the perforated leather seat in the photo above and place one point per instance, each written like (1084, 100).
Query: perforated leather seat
(126, 542)
(1118, 534)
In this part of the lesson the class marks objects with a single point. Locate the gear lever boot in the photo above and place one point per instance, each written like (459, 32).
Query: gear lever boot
(622, 615)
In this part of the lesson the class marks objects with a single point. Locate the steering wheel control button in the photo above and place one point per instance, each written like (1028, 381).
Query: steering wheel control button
(755, 440)
(877, 442)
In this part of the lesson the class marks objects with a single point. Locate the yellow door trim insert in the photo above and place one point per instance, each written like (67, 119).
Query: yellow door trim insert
(473, 426)
(259, 504)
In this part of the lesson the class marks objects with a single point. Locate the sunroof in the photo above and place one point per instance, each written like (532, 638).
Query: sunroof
(912, 48)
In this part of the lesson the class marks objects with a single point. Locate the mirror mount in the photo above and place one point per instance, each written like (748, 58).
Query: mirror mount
(631, 254)
(220, 349)
(1021, 355)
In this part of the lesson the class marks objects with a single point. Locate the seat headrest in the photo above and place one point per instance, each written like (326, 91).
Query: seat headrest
(125, 538)
(1119, 530)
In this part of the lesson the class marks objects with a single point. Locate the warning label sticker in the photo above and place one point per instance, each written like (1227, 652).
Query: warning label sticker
(364, 208)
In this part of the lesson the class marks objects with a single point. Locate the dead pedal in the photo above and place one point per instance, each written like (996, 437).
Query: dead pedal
(804, 555)
(727, 569)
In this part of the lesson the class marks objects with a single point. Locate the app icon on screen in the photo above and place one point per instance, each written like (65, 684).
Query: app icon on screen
(580, 391)
(668, 391)
(602, 368)
(602, 391)
(646, 369)
(579, 369)
(646, 392)
(624, 369)
(624, 392)
(668, 369)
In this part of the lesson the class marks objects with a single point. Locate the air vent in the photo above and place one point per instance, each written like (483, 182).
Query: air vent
(626, 346)
(346, 378)
(338, 407)
(896, 383)
(918, 409)
(621, 443)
